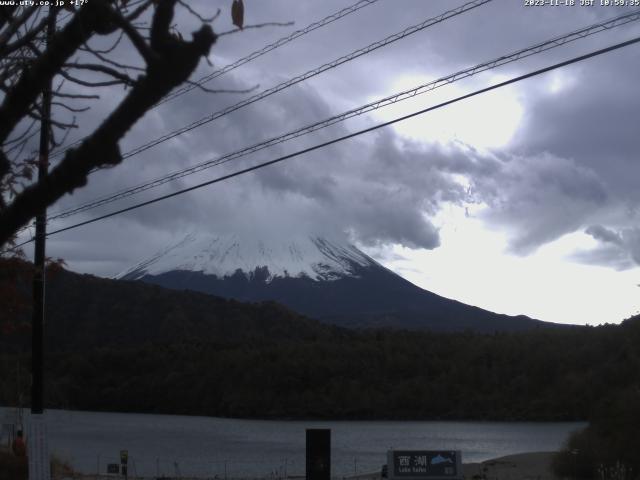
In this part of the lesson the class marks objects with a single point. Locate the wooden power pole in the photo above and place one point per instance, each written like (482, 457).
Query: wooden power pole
(39, 468)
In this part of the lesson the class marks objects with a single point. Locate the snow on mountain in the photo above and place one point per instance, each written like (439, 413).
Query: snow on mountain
(323, 279)
(222, 255)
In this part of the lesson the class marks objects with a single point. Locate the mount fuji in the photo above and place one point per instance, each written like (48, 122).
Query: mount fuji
(325, 279)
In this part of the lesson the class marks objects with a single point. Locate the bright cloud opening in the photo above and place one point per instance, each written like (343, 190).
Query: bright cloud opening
(471, 266)
(486, 121)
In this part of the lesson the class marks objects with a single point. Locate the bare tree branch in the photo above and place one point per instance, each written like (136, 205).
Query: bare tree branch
(87, 83)
(145, 4)
(197, 15)
(123, 78)
(6, 49)
(136, 39)
(13, 26)
(258, 25)
(6, 15)
(21, 136)
(107, 60)
(222, 90)
(88, 20)
(75, 96)
(28, 63)
(69, 108)
(172, 63)
(57, 123)
(108, 49)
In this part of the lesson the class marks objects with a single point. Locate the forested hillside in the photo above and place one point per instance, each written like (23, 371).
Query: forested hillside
(86, 312)
(132, 347)
(558, 375)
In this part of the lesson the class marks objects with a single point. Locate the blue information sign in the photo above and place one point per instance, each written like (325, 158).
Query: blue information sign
(419, 464)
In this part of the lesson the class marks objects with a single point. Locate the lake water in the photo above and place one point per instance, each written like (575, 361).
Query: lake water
(205, 447)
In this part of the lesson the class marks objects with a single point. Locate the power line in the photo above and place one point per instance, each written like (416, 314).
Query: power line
(305, 76)
(345, 137)
(252, 56)
(311, 73)
(278, 43)
(407, 94)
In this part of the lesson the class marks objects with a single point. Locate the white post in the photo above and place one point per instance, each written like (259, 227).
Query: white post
(37, 448)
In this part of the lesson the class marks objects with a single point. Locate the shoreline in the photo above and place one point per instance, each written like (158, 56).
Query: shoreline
(520, 466)
(311, 418)
(526, 466)
(530, 465)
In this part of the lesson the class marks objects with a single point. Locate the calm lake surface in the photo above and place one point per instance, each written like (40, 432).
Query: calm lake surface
(206, 447)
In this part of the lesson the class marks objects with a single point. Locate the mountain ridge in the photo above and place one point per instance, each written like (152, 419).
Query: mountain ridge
(85, 312)
(322, 279)
(310, 256)
(133, 347)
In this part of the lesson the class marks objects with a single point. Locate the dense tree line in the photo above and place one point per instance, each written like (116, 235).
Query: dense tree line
(86, 312)
(609, 446)
(129, 346)
(542, 375)
(132, 347)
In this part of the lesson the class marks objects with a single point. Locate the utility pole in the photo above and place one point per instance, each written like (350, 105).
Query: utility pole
(39, 468)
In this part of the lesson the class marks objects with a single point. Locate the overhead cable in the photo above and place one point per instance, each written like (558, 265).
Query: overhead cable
(305, 76)
(392, 99)
(342, 138)
(252, 56)
(272, 46)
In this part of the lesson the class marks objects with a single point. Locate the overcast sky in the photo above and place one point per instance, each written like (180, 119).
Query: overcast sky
(521, 201)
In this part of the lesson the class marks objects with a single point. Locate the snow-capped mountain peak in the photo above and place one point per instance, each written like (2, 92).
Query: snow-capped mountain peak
(314, 257)
(319, 278)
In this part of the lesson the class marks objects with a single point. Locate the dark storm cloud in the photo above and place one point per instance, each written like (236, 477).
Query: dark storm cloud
(593, 120)
(539, 198)
(589, 128)
(378, 189)
(619, 250)
(607, 255)
(573, 159)
(632, 240)
(380, 193)
(604, 235)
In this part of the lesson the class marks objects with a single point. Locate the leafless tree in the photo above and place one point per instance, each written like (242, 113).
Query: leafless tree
(79, 60)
